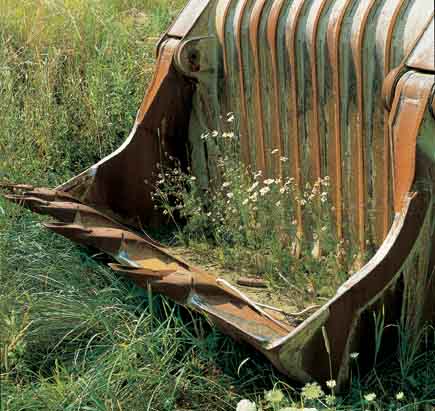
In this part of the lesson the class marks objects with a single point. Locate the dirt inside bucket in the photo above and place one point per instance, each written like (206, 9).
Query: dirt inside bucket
(284, 301)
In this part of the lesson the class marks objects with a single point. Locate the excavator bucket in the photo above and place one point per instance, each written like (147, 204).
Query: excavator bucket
(342, 88)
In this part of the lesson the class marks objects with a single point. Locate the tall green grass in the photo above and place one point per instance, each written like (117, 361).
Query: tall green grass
(72, 76)
(73, 335)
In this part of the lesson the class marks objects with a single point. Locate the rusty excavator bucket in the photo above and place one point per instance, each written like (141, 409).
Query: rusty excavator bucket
(342, 88)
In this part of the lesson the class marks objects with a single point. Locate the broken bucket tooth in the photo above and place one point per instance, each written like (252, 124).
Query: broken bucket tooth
(33, 203)
(16, 187)
(71, 231)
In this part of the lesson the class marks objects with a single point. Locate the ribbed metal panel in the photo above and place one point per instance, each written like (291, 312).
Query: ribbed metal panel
(305, 77)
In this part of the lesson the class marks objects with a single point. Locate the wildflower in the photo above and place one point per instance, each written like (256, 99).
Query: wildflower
(354, 355)
(312, 391)
(205, 136)
(325, 181)
(330, 400)
(269, 181)
(214, 133)
(282, 190)
(245, 201)
(323, 197)
(228, 135)
(258, 174)
(264, 190)
(253, 187)
(209, 214)
(284, 159)
(230, 117)
(302, 202)
(278, 203)
(274, 396)
(400, 396)
(226, 184)
(193, 178)
(254, 197)
(246, 405)
(324, 228)
(331, 384)
(274, 151)
(370, 397)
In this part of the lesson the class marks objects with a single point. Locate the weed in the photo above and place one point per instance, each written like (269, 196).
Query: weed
(249, 222)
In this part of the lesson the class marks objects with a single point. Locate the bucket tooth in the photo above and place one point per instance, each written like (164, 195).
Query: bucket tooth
(33, 203)
(51, 195)
(16, 187)
(70, 231)
(202, 292)
(43, 194)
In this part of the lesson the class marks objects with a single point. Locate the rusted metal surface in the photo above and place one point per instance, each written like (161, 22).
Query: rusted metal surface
(343, 88)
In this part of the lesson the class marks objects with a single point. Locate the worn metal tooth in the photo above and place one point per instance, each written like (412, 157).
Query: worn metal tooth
(140, 271)
(28, 201)
(78, 214)
(16, 187)
(51, 195)
(72, 231)
(106, 239)
(64, 214)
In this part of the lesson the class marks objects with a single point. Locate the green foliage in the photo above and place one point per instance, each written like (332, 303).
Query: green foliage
(72, 76)
(245, 221)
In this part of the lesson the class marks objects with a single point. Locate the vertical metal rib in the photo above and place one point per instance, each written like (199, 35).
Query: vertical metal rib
(334, 35)
(266, 83)
(222, 11)
(316, 160)
(272, 28)
(284, 88)
(385, 177)
(254, 25)
(358, 50)
(244, 129)
(229, 93)
(294, 15)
